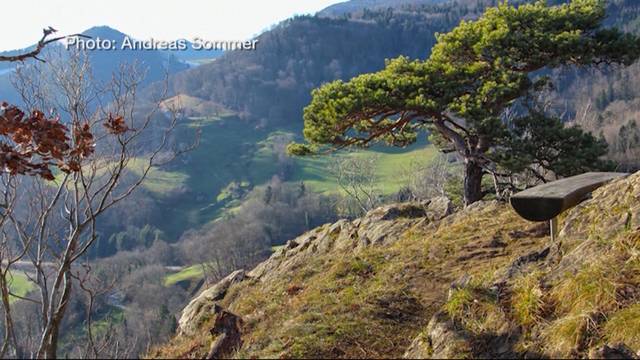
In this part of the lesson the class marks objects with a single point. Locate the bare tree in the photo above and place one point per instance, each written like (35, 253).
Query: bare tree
(356, 176)
(428, 179)
(49, 221)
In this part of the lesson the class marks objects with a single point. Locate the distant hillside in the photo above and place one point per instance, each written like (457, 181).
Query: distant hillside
(354, 6)
(155, 63)
(175, 59)
(104, 63)
(607, 101)
(412, 281)
(248, 105)
(195, 57)
(272, 84)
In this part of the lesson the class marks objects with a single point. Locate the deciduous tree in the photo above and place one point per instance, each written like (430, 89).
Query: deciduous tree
(60, 173)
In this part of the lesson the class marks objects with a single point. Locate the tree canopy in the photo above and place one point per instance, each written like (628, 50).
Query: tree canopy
(475, 72)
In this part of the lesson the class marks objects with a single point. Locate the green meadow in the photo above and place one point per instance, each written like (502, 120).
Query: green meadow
(195, 188)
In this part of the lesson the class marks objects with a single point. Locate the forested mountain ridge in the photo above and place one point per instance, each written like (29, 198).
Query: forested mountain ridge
(272, 84)
(155, 64)
(354, 6)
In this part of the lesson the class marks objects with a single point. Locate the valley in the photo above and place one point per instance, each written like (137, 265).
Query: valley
(231, 152)
(373, 251)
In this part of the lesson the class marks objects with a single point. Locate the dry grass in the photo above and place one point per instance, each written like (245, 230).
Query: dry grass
(459, 303)
(592, 289)
(527, 299)
(476, 309)
(624, 326)
(564, 337)
(372, 302)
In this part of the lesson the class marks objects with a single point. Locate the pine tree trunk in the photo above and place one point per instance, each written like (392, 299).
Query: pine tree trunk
(472, 182)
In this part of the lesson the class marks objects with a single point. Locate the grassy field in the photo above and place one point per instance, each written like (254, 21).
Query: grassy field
(194, 272)
(194, 189)
(224, 155)
(158, 181)
(392, 167)
(20, 285)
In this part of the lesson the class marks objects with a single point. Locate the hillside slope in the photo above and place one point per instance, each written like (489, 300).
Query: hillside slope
(347, 7)
(248, 105)
(272, 84)
(411, 280)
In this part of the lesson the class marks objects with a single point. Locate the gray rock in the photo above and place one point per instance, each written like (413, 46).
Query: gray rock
(433, 209)
(439, 207)
(227, 334)
(203, 306)
(441, 340)
(615, 351)
(381, 226)
(420, 348)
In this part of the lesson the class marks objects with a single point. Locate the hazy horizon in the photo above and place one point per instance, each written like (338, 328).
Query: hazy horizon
(211, 20)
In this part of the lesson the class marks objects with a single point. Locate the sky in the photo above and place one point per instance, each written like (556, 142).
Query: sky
(23, 20)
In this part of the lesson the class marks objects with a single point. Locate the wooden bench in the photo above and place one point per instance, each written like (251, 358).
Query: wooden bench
(545, 202)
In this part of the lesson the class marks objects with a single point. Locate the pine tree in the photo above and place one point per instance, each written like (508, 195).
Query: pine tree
(474, 73)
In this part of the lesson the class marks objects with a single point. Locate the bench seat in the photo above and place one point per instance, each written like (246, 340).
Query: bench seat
(546, 201)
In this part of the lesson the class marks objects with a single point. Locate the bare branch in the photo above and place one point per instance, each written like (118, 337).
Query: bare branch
(42, 43)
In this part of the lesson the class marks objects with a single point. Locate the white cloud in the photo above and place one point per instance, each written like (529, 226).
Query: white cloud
(167, 20)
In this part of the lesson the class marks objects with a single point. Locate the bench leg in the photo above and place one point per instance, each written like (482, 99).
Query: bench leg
(553, 225)
(553, 229)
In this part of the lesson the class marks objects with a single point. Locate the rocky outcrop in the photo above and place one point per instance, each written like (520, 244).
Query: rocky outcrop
(420, 281)
(376, 232)
(443, 338)
(226, 331)
(204, 306)
(612, 209)
(440, 340)
(600, 230)
(377, 227)
(380, 226)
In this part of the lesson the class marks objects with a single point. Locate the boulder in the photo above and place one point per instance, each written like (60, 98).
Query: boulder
(203, 306)
(226, 332)
(385, 224)
(441, 340)
(439, 207)
(615, 351)
(433, 209)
